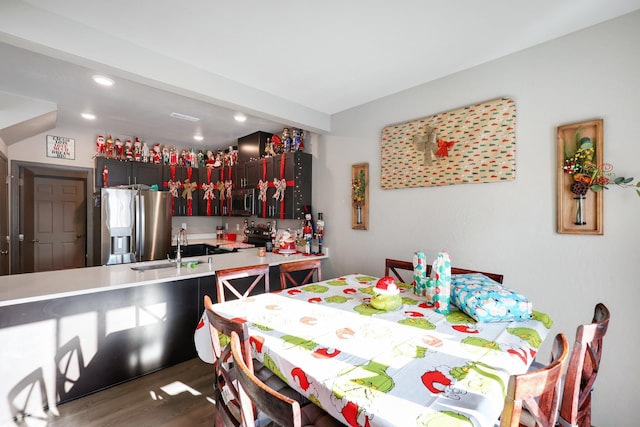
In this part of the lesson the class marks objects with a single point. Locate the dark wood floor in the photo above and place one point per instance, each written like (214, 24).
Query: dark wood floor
(178, 396)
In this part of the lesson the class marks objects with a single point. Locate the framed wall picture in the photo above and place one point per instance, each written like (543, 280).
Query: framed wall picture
(580, 200)
(360, 196)
(61, 147)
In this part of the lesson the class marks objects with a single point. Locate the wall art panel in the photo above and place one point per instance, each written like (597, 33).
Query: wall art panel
(473, 144)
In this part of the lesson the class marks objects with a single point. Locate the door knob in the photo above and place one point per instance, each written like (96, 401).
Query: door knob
(35, 241)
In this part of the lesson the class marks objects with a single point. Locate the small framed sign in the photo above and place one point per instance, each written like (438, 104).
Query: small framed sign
(61, 147)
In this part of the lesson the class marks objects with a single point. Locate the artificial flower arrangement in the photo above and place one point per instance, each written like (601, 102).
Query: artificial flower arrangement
(580, 162)
(358, 185)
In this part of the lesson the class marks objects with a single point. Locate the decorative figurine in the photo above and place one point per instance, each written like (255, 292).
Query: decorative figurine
(109, 147)
(320, 232)
(307, 233)
(146, 155)
(386, 295)
(268, 148)
(119, 149)
(137, 150)
(286, 140)
(157, 153)
(166, 155)
(185, 157)
(100, 146)
(211, 160)
(276, 144)
(105, 176)
(173, 156)
(201, 159)
(128, 150)
(298, 140)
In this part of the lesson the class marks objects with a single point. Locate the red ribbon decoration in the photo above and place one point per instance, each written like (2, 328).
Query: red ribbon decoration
(208, 200)
(289, 183)
(443, 150)
(189, 201)
(172, 169)
(264, 178)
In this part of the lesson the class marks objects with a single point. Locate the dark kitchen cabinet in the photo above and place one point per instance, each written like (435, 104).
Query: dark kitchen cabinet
(251, 147)
(296, 169)
(206, 176)
(181, 174)
(128, 173)
(146, 173)
(119, 172)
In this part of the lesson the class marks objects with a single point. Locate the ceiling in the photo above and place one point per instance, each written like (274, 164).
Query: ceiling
(281, 62)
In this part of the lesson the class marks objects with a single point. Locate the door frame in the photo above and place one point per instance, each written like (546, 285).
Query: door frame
(5, 265)
(18, 215)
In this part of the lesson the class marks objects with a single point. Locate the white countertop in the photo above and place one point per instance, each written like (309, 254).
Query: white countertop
(31, 287)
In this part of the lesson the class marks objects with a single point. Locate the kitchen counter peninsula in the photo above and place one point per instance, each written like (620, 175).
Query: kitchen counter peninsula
(69, 333)
(31, 287)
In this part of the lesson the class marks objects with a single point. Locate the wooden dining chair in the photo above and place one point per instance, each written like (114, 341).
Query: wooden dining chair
(494, 276)
(281, 409)
(582, 370)
(226, 392)
(533, 398)
(237, 281)
(391, 266)
(311, 266)
(226, 395)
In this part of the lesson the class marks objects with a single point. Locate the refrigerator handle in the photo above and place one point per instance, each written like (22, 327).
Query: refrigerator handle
(140, 227)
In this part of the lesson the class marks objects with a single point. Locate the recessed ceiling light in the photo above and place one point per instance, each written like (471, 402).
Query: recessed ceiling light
(239, 117)
(88, 116)
(102, 80)
(198, 137)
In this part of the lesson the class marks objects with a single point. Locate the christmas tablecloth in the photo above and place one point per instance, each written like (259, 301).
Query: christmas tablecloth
(410, 367)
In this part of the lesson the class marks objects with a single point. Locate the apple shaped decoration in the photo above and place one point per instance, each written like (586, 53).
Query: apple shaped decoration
(386, 295)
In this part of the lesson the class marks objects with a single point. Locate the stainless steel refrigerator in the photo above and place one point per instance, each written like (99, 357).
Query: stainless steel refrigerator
(135, 225)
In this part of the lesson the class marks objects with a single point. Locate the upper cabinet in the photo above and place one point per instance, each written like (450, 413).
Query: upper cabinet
(186, 200)
(289, 185)
(127, 173)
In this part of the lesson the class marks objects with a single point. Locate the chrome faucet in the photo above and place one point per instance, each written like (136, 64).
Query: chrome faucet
(181, 239)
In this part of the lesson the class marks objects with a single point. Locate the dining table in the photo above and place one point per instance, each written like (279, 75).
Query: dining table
(368, 367)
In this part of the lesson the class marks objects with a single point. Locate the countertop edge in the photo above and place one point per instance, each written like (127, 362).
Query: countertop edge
(33, 287)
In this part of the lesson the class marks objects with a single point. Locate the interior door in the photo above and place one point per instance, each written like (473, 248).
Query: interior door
(4, 216)
(59, 223)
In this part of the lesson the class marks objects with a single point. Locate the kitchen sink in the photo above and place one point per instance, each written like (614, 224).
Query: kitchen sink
(184, 264)
(200, 249)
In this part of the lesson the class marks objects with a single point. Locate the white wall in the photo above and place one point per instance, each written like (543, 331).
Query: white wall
(34, 149)
(510, 227)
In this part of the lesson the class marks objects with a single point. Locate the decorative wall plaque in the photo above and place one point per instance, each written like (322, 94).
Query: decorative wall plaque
(469, 145)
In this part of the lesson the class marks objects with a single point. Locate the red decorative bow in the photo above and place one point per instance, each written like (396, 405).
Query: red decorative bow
(443, 148)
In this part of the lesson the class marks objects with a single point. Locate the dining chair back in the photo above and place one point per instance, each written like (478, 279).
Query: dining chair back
(241, 281)
(533, 398)
(310, 266)
(280, 408)
(226, 392)
(582, 370)
(494, 276)
(391, 267)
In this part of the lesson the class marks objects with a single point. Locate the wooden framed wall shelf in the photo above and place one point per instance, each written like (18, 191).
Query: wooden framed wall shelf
(360, 196)
(576, 214)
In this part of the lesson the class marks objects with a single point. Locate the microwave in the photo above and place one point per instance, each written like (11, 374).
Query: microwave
(243, 202)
